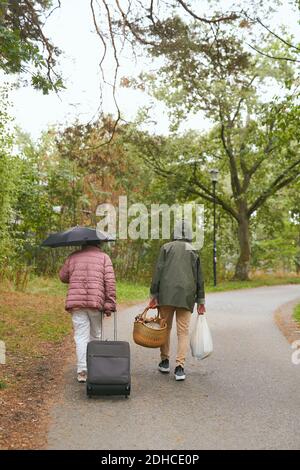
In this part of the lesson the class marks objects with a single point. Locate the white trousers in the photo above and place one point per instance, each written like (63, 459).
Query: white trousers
(87, 327)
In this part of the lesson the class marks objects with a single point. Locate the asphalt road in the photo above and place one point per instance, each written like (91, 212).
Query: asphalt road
(245, 396)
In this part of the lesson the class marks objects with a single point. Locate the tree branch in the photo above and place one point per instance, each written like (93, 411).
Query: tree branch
(235, 182)
(116, 69)
(114, 84)
(231, 17)
(241, 100)
(53, 9)
(269, 148)
(288, 59)
(46, 43)
(280, 182)
(131, 28)
(292, 46)
(210, 197)
(100, 36)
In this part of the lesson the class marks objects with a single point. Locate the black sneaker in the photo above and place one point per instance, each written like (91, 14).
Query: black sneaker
(164, 366)
(179, 373)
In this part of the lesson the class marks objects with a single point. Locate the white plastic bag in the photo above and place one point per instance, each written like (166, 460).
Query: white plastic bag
(201, 340)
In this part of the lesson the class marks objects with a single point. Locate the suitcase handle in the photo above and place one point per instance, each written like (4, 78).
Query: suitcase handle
(115, 325)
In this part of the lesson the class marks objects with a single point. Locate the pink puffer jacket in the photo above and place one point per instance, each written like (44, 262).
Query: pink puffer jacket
(91, 279)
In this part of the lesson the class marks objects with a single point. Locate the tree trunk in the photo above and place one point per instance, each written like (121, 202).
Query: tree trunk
(243, 263)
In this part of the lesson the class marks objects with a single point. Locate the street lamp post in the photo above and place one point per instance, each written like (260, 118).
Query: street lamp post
(214, 178)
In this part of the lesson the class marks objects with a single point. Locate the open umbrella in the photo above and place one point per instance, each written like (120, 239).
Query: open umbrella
(76, 236)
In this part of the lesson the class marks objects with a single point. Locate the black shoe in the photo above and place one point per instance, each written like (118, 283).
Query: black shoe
(164, 366)
(179, 373)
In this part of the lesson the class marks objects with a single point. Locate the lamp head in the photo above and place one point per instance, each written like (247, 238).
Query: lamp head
(214, 174)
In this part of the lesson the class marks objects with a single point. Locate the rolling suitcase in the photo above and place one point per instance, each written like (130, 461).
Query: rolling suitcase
(108, 366)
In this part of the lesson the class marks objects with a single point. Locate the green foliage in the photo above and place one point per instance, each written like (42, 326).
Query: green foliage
(297, 313)
(8, 177)
(24, 46)
(59, 161)
(71, 170)
(254, 139)
(29, 321)
(40, 82)
(255, 282)
(3, 384)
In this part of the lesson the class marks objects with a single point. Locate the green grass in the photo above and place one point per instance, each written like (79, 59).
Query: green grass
(259, 282)
(129, 291)
(28, 321)
(35, 318)
(46, 285)
(126, 291)
(297, 313)
(3, 385)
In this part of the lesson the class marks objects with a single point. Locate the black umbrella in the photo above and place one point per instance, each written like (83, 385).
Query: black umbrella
(76, 236)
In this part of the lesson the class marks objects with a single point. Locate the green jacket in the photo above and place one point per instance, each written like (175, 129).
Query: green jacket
(178, 279)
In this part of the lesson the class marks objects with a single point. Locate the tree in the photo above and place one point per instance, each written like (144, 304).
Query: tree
(8, 177)
(275, 234)
(210, 66)
(147, 26)
(24, 46)
(253, 141)
(150, 26)
(48, 190)
(107, 173)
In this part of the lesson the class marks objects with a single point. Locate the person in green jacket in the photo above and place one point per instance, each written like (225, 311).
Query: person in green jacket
(177, 285)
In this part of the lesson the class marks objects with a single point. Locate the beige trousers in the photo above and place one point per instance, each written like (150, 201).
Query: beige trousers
(183, 318)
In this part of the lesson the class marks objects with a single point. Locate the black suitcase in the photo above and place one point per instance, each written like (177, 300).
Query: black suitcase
(108, 366)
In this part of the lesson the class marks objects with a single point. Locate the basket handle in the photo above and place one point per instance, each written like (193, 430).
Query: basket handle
(143, 315)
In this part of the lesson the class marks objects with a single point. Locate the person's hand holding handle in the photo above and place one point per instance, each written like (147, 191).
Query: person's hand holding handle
(152, 302)
(201, 309)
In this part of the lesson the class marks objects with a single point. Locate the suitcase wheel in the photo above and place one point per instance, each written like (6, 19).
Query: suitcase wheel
(88, 390)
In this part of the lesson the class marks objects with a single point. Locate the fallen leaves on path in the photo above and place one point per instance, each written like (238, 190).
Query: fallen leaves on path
(285, 321)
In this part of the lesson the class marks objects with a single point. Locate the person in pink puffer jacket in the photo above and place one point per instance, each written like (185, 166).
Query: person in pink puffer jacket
(92, 289)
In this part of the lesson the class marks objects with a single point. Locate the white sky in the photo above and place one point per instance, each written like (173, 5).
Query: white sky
(71, 29)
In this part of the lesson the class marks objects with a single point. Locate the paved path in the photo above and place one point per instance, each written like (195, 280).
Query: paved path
(245, 396)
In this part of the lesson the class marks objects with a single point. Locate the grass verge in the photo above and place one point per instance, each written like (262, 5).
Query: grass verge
(126, 291)
(259, 282)
(296, 314)
(34, 327)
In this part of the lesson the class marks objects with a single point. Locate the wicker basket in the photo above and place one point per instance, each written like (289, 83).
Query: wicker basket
(145, 335)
